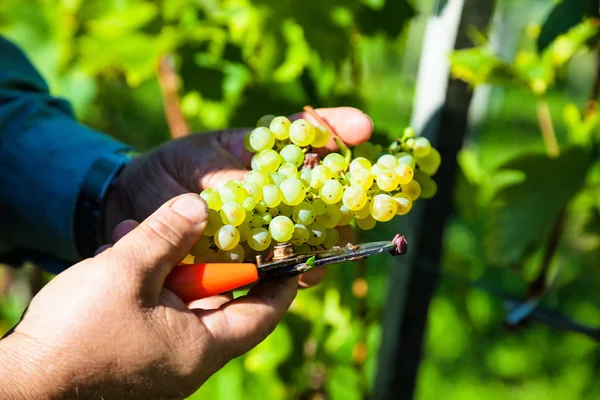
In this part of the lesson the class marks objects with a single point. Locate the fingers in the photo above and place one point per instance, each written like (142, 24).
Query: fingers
(150, 251)
(312, 277)
(210, 303)
(241, 324)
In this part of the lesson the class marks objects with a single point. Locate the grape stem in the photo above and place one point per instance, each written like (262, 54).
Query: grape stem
(344, 150)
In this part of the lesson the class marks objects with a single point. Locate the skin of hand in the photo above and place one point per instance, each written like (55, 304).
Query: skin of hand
(209, 160)
(106, 327)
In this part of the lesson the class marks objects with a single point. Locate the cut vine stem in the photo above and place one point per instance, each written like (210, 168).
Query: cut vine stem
(548, 134)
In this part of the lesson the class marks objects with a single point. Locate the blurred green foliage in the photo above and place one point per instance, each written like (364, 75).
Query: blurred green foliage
(241, 59)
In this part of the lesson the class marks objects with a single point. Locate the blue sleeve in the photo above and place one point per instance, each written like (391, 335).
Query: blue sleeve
(44, 155)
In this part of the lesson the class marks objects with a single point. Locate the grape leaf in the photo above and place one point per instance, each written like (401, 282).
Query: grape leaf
(522, 215)
(563, 17)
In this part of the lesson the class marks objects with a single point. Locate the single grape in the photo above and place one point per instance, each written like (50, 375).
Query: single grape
(280, 126)
(262, 139)
(257, 178)
(305, 176)
(232, 191)
(213, 223)
(363, 212)
(331, 238)
(302, 249)
(321, 137)
(292, 191)
(406, 158)
(276, 178)
(265, 120)
(301, 234)
(235, 255)
(317, 234)
(360, 163)
(388, 161)
(271, 195)
(428, 185)
(331, 218)
(412, 189)
(292, 154)
(259, 239)
(201, 246)
(319, 175)
(405, 173)
(274, 211)
(248, 204)
(354, 197)
(289, 170)
(383, 208)
(304, 213)
(320, 207)
(285, 210)
(336, 163)
(267, 161)
(209, 256)
(247, 143)
(254, 191)
(266, 218)
(421, 147)
(362, 178)
(430, 163)
(346, 216)
(281, 228)
(257, 221)
(403, 203)
(376, 169)
(212, 198)
(302, 133)
(388, 180)
(331, 192)
(244, 230)
(366, 224)
(260, 207)
(232, 213)
(227, 237)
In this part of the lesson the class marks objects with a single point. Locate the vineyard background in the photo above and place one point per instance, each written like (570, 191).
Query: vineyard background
(240, 59)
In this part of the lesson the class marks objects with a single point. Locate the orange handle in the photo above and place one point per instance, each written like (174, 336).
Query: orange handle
(195, 281)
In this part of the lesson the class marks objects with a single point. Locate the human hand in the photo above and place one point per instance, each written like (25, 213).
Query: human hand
(106, 327)
(200, 161)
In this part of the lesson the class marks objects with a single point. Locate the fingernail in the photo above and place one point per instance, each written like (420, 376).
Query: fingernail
(191, 207)
(371, 121)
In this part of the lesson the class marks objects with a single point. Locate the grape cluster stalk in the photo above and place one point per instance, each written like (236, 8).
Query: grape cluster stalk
(292, 196)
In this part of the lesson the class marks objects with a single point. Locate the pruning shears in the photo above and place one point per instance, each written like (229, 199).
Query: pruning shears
(195, 281)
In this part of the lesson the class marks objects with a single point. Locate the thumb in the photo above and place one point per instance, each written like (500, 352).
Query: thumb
(155, 246)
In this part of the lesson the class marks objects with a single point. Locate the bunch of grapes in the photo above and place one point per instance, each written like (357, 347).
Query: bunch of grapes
(292, 196)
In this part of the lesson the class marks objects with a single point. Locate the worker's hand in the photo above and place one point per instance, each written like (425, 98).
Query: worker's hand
(106, 327)
(210, 160)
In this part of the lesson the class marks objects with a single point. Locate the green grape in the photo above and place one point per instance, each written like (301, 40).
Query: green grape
(336, 163)
(405, 173)
(319, 175)
(412, 189)
(317, 234)
(235, 255)
(280, 126)
(359, 163)
(247, 143)
(212, 198)
(259, 239)
(332, 237)
(428, 185)
(387, 180)
(249, 215)
(265, 120)
(285, 210)
(244, 230)
(331, 192)
(304, 213)
(248, 204)
(305, 176)
(346, 216)
(257, 221)
(267, 161)
(232, 213)
(227, 237)
(376, 169)
(403, 203)
(363, 212)
(254, 191)
(281, 228)
(302, 133)
(292, 154)
(366, 224)
(302, 249)
(213, 223)
(383, 208)
(421, 147)
(320, 207)
(354, 198)
(301, 234)
(362, 178)
(289, 170)
(276, 178)
(260, 207)
(271, 195)
(257, 178)
(406, 158)
(292, 191)
(388, 161)
(321, 137)
(262, 139)
(430, 163)
(266, 218)
(201, 246)
(232, 191)
(209, 256)
(332, 216)
(274, 211)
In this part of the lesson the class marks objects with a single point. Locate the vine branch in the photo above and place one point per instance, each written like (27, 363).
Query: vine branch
(168, 82)
(547, 128)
